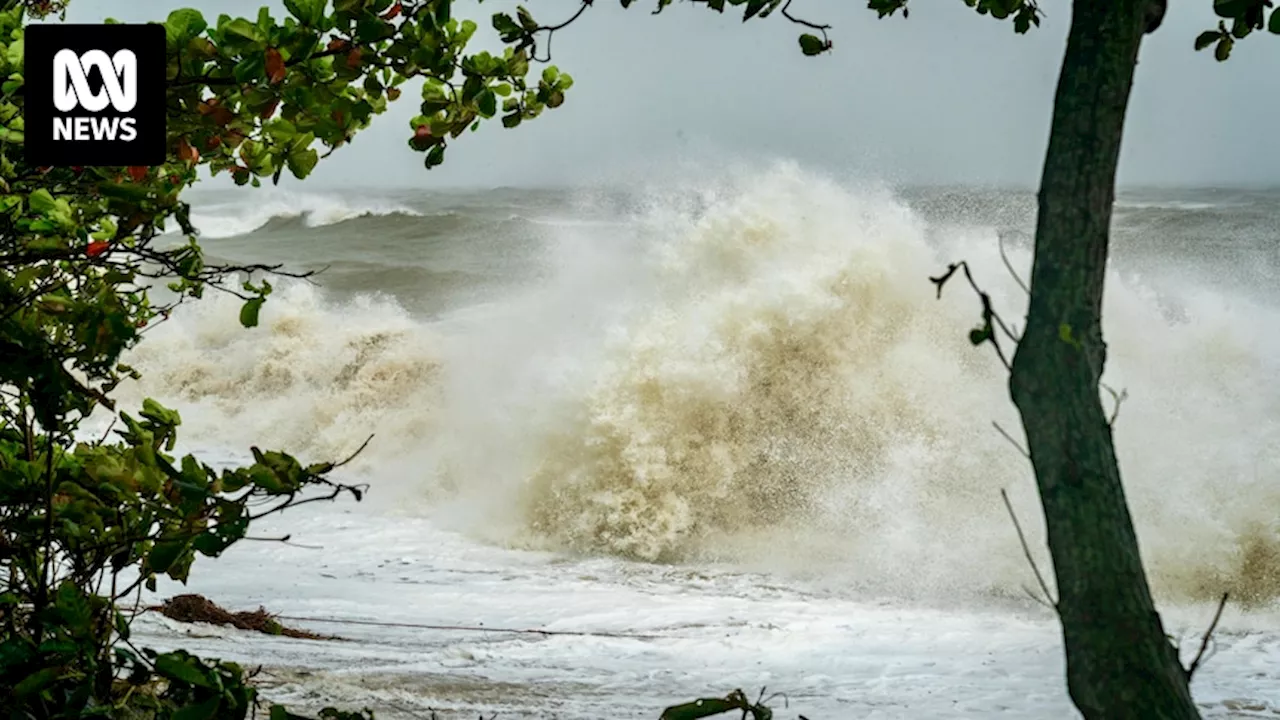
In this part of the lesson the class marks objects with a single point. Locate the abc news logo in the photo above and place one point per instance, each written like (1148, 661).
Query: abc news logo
(95, 94)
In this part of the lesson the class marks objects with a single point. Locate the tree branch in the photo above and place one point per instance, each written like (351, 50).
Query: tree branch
(1026, 550)
(1208, 635)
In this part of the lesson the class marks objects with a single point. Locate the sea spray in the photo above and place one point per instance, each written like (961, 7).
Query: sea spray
(755, 370)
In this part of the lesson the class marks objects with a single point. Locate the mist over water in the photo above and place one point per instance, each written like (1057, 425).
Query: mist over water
(749, 368)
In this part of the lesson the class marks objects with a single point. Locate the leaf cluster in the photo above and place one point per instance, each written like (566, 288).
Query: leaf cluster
(86, 524)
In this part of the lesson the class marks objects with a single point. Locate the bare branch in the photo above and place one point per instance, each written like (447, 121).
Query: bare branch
(826, 41)
(1009, 266)
(990, 318)
(1013, 442)
(353, 455)
(1208, 635)
(1118, 398)
(1026, 550)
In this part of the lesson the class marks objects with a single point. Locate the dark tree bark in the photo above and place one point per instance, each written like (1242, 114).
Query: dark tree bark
(1120, 664)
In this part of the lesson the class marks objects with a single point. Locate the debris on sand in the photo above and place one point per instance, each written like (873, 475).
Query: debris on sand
(199, 609)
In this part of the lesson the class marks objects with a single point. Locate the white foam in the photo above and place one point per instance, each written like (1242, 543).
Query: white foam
(250, 212)
(755, 369)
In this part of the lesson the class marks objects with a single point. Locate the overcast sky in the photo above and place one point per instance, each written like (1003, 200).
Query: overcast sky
(944, 97)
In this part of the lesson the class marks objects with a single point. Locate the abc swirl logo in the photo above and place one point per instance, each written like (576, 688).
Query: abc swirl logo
(71, 90)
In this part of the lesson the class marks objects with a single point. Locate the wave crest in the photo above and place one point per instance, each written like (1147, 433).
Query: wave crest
(276, 208)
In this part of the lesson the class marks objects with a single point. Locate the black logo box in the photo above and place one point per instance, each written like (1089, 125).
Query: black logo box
(42, 42)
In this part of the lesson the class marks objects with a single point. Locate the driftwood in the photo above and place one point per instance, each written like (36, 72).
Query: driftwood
(198, 608)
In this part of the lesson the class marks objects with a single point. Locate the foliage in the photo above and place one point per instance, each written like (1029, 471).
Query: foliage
(86, 523)
(1245, 16)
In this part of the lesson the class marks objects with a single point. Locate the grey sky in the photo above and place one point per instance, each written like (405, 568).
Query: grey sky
(945, 97)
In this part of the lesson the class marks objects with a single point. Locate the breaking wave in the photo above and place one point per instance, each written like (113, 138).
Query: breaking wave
(756, 370)
(229, 219)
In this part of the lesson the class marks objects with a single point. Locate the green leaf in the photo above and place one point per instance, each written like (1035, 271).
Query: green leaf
(487, 103)
(121, 625)
(308, 12)
(1021, 22)
(35, 682)
(182, 25)
(1231, 8)
(244, 30)
(1223, 51)
(526, 20)
(301, 163)
(249, 313)
(371, 28)
(435, 156)
(1208, 37)
(182, 667)
(812, 44)
(506, 27)
(1274, 24)
(251, 68)
(164, 554)
(41, 201)
(16, 53)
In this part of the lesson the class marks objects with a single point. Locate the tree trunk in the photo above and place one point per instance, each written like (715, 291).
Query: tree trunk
(1120, 664)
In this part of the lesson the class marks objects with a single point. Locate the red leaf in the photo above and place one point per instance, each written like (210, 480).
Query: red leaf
(138, 173)
(275, 66)
(186, 153)
(337, 44)
(222, 116)
(394, 11)
(353, 58)
(393, 93)
(95, 249)
(213, 142)
(270, 109)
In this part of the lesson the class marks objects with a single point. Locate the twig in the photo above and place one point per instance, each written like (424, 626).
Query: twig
(826, 41)
(107, 432)
(1119, 398)
(1009, 266)
(1208, 635)
(1013, 442)
(760, 701)
(550, 30)
(1039, 600)
(987, 332)
(284, 540)
(1026, 550)
(353, 455)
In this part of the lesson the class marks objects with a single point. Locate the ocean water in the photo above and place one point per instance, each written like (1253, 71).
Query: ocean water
(725, 412)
